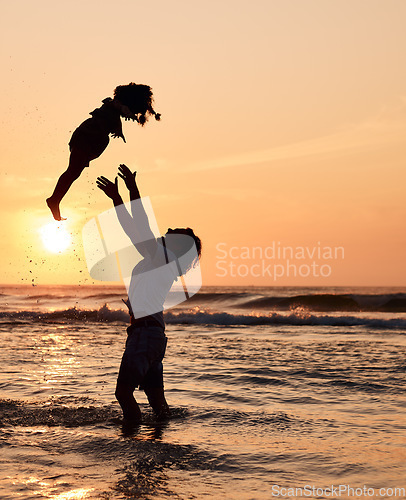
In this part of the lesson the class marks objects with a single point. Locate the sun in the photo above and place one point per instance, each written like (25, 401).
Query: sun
(55, 237)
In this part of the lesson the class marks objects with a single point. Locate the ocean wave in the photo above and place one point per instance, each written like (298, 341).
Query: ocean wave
(250, 299)
(331, 302)
(102, 314)
(53, 413)
(198, 316)
(298, 319)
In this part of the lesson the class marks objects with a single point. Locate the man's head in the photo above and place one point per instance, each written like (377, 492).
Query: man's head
(182, 247)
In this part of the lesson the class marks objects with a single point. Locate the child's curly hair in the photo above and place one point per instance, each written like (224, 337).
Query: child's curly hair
(139, 99)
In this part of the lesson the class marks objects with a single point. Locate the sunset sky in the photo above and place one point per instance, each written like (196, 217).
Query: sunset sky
(283, 125)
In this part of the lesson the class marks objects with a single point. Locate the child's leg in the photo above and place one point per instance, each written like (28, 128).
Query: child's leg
(77, 163)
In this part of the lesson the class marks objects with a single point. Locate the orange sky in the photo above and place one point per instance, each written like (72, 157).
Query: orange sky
(283, 122)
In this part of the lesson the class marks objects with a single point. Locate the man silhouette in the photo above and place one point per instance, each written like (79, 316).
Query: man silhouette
(151, 280)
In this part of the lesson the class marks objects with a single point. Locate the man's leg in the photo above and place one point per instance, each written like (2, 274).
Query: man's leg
(124, 395)
(156, 399)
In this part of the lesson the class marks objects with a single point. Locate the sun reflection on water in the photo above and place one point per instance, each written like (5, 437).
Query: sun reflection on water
(77, 494)
(47, 489)
(58, 357)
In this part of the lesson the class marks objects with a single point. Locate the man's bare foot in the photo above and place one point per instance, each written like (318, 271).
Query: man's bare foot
(130, 427)
(54, 207)
(163, 414)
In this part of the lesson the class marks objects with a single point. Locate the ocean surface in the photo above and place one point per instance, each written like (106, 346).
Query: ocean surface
(275, 393)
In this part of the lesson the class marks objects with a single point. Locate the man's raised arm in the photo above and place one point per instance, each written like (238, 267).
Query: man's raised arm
(136, 227)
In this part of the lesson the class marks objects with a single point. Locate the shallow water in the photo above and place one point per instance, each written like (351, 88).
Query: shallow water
(256, 407)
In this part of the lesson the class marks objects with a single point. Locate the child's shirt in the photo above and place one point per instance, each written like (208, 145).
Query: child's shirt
(108, 116)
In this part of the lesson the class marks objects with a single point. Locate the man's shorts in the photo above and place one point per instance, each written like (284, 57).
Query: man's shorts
(141, 365)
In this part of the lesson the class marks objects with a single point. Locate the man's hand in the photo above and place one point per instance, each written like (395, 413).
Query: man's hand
(110, 188)
(128, 177)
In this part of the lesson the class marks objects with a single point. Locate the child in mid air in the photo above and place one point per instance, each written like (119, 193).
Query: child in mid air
(90, 139)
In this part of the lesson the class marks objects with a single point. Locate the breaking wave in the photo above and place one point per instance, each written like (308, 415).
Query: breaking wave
(198, 316)
(391, 302)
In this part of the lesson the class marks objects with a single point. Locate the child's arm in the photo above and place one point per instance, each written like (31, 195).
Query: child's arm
(110, 114)
(118, 130)
(125, 111)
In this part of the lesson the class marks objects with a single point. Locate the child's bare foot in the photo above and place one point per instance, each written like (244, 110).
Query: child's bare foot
(54, 207)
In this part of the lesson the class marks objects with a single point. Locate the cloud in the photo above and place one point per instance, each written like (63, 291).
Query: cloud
(387, 128)
(235, 194)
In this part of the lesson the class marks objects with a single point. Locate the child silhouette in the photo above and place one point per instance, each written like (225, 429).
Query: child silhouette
(90, 139)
